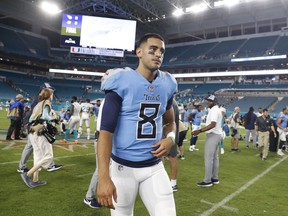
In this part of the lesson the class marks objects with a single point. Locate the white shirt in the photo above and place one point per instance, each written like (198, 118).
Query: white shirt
(86, 107)
(214, 115)
(77, 109)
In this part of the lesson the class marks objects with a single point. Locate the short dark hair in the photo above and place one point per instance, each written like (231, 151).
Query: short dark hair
(88, 100)
(147, 36)
(251, 109)
(265, 110)
(74, 98)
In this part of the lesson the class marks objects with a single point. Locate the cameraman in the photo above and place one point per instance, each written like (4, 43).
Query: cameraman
(42, 149)
(28, 149)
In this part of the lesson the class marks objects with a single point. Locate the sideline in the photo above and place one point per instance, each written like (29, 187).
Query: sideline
(241, 189)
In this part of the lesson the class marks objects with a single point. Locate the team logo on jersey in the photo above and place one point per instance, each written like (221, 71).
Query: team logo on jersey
(151, 88)
(120, 167)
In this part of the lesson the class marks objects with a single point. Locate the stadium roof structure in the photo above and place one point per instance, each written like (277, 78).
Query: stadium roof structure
(156, 15)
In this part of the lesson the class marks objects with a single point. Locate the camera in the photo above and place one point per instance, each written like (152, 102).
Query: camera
(48, 132)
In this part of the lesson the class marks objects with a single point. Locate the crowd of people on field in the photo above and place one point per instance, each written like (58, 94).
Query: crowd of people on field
(138, 124)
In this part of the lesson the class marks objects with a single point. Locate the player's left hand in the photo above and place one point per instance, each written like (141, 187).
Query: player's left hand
(106, 191)
(195, 133)
(163, 147)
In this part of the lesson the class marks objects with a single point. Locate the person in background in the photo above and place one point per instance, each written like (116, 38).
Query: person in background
(250, 119)
(182, 134)
(67, 117)
(282, 128)
(86, 110)
(28, 149)
(184, 117)
(263, 125)
(96, 111)
(213, 131)
(67, 106)
(221, 144)
(73, 121)
(90, 197)
(260, 112)
(7, 105)
(173, 153)
(25, 121)
(61, 117)
(42, 149)
(235, 130)
(196, 117)
(226, 128)
(15, 114)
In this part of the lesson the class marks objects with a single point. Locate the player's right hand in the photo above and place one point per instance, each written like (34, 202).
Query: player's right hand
(106, 190)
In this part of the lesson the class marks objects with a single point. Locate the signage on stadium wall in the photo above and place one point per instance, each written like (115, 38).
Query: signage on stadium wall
(96, 51)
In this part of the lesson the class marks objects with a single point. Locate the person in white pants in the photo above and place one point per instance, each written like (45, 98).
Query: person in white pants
(42, 149)
(90, 198)
(86, 110)
(73, 121)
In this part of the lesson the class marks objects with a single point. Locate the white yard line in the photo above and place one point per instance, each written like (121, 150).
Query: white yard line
(241, 189)
(224, 206)
(55, 158)
(86, 174)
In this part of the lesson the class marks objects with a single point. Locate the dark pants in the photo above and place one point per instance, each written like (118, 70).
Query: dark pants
(273, 141)
(14, 125)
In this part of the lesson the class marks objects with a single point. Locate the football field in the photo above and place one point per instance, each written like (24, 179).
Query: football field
(248, 185)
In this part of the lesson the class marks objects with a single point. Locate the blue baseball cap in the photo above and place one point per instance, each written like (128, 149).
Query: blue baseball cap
(46, 85)
(212, 98)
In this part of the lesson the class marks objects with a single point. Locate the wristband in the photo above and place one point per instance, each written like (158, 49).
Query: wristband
(172, 136)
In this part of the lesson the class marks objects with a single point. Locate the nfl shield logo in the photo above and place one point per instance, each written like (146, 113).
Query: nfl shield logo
(151, 88)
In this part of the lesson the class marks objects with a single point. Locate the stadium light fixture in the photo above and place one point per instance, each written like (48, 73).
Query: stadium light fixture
(228, 3)
(50, 7)
(178, 12)
(232, 73)
(197, 8)
(76, 72)
(186, 75)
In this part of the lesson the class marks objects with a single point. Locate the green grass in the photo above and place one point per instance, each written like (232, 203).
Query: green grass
(66, 188)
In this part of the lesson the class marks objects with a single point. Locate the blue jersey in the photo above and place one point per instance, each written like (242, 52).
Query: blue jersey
(96, 110)
(184, 116)
(197, 117)
(284, 120)
(139, 123)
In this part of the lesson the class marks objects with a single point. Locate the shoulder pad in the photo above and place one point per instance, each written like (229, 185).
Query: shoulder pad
(111, 72)
(111, 80)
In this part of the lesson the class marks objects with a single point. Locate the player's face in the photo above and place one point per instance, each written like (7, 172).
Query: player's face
(210, 103)
(151, 54)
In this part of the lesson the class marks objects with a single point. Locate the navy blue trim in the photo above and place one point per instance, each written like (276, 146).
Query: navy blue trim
(110, 111)
(136, 164)
(169, 103)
